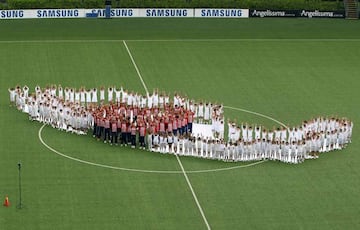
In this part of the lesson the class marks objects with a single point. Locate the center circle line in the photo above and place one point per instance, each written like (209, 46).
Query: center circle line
(160, 171)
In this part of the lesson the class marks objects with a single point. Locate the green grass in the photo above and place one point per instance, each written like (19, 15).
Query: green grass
(290, 80)
(154, 28)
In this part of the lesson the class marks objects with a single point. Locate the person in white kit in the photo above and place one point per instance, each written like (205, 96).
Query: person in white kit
(207, 112)
(257, 132)
(82, 96)
(161, 101)
(102, 94)
(200, 113)
(60, 92)
(26, 91)
(143, 102)
(77, 96)
(53, 90)
(94, 96)
(72, 95)
(124, 96)
(149, 100)
(12, 92)
(244, 132)
(231, 131)
(110, 94)
(155, 99)
(117, 95)
(67, 94)
(130, 99)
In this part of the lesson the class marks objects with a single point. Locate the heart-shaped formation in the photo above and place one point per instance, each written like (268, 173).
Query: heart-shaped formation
(176, 126)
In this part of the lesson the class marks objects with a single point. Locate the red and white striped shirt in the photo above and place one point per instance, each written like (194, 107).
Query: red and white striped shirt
(113, 127)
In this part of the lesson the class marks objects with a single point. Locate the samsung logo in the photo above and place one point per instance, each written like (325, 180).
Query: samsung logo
(221, 13)
(166, 13)
(57, 13)
(11, 14)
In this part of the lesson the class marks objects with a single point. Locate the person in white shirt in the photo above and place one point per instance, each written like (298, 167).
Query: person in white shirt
(291, 135)
(264, 134)
(26, 91)
(130, 99)
(244, 132)
(196, 110)
(200, 113)
(176, 143)
(257, 132)
(94, 96)
(117, 95)
(72, 95)
(67, 94)
(12, 92)
(207, 112)
(136, 100)
(241, 153)
(143, 102)
(155, 99)
(250, 134)
(283, 134)
(22, 102)
(110, 94)
(286, 152)
(166, 99)
(237, 133)
(82, 96)
(277, 134)
(221, 129)
(161, 100)
(77, 96)
(231, 131)
(60, 93)
(53, 90)
(124, 96)
(88, 93)
(176, 100)
(102, 95)
(149, 100)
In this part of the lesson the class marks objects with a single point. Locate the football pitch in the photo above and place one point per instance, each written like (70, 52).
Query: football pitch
(265, 71)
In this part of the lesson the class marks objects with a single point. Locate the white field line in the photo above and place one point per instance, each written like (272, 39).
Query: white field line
(136, 68)
(249, 40)
(178, 159)
(96, 164)
(258, 114)
(187, 40)
(225, 169)
(138, 170)
(193, 193)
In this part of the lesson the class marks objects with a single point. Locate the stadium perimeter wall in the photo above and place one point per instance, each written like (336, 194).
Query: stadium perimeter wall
(321, 5)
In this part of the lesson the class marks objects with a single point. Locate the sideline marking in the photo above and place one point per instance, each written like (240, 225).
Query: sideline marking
(191, 40)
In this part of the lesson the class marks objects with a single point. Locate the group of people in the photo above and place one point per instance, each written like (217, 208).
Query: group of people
(115, 115)
(290, 145)
(158, 123)
(46, 106)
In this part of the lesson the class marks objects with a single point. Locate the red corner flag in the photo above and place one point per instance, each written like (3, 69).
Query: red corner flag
(6, 202)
